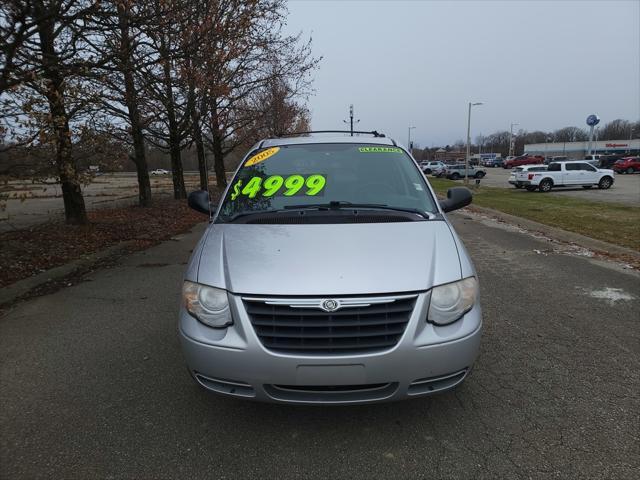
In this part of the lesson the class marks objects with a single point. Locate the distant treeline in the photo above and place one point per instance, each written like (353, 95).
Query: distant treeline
(498, 142)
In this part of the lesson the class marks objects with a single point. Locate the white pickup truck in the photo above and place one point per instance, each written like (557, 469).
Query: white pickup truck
(569, 174)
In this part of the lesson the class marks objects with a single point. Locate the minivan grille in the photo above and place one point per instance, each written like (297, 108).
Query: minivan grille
(312, 331)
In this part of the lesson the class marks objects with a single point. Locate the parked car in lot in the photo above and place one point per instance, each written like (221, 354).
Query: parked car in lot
(456, 172)
(607, 161)
(627, 165)
(569, 174)
(432, 167)
(595, 157)
(294, 296)
(494, 162)
(524, 160)
(559, 158)
(159, 171)
(519, 174)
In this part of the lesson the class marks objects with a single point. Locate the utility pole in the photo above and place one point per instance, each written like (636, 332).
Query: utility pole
(467, 157)
(351, 119)
(511, 139)
(409, 139)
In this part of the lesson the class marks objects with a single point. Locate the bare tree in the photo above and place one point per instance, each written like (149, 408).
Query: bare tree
(243, 52)
(120, 27)
(49, 64)
(570, 134)
(615, 130)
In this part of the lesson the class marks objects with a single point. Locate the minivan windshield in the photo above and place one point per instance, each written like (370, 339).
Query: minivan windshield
(290, 176)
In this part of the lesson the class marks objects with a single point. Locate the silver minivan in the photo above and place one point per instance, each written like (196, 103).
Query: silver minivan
(329, 274)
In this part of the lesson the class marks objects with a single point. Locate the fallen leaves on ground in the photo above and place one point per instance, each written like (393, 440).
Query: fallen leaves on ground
(28, 252)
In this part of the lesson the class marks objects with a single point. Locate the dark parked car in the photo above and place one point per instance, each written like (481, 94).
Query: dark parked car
(524, 160)
(607, 161)
(627, 165)
(494, 162)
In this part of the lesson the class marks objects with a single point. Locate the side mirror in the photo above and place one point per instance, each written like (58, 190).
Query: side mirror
(457, 197)
(199, 201)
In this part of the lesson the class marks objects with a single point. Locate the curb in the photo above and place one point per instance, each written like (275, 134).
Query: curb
(17, 289)
(558, 233)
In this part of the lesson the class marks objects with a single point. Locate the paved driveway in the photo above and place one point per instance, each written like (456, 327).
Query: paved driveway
(94, 386)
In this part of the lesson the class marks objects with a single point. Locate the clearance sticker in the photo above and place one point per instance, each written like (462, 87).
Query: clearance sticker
(262, 156)
(380, 150)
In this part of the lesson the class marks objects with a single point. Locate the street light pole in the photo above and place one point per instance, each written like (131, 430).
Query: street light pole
(467, 157)
(511, 138)
(409, 139)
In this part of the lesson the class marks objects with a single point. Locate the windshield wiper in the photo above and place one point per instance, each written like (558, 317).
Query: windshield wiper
(247, 213)
(339, 205)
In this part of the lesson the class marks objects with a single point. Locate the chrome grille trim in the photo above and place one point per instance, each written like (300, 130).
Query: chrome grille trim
(305, 326)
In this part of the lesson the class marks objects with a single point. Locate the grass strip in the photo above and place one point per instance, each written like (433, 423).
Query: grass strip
(611, 222)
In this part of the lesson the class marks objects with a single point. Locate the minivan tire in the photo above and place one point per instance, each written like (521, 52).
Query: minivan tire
(479, 174)
(455, 176)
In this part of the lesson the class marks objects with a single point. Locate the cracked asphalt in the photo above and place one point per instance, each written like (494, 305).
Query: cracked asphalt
(93, 384)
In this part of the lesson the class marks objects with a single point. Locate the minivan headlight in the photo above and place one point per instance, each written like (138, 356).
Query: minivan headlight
(208, 304)
(451, 301)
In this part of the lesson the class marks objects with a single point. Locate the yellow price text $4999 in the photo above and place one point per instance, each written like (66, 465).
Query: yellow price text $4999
(279, 185)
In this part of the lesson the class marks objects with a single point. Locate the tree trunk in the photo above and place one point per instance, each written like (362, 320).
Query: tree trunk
(131, 100)
(74, 207)
(197, 138)
(216, 143)
(179, 190)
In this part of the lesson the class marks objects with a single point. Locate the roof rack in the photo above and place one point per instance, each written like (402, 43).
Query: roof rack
(297, 134)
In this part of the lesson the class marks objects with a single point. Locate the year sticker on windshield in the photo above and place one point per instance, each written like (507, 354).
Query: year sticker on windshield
(289, 186)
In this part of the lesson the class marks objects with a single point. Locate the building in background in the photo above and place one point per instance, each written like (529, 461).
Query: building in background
(578, 150)
(449, 157)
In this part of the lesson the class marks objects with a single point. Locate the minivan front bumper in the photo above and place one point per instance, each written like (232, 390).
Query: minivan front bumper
(427, 359)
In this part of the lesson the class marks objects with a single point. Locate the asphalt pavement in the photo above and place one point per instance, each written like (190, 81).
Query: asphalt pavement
(93, 384)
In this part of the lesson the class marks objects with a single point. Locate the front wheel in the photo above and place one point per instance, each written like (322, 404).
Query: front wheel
(479, 174)
(455, 176)
(605, 183)
(630, 170)
(546, 185)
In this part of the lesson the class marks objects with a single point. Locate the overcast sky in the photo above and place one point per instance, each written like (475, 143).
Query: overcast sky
(542, 64)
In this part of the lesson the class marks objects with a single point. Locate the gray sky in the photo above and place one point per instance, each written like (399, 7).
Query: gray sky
(542, 64)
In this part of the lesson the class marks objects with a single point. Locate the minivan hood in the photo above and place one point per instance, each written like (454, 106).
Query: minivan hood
(322, 260)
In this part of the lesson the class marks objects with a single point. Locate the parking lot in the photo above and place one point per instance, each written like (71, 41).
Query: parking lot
(32, 203)
(94, 384)
(626, 188)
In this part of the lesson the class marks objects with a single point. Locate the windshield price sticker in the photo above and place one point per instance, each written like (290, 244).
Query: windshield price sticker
(379, 150)
(289, 186)
(262, 156)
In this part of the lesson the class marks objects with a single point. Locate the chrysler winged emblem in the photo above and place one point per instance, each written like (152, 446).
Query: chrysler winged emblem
(330, 305)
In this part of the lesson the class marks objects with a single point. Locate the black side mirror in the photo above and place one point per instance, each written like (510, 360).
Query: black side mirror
(199, 201)
(457, 197)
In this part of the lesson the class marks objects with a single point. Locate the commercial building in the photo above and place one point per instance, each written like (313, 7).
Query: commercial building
(580, 149)
(449, 157)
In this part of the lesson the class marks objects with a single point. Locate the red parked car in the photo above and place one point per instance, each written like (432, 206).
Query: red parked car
(524, 160)
(627, 165)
